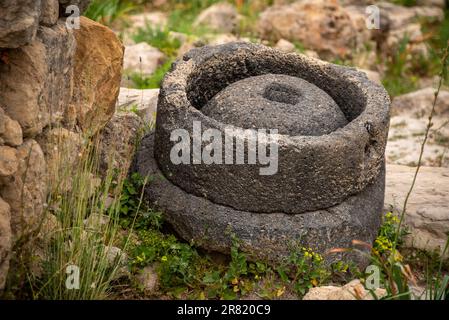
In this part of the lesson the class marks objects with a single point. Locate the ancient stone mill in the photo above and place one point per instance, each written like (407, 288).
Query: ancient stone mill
(330, 128)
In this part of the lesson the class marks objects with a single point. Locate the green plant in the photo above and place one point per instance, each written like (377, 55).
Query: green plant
(406, 3)
(159, 38)
(307, 269)
(133, 210)
(154, 81)
(108, 11)
(398, 78)
(85, 233)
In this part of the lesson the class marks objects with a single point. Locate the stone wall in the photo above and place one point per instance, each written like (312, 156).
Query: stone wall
(56, 84)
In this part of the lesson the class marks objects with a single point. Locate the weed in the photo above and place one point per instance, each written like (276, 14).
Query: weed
(108, 11)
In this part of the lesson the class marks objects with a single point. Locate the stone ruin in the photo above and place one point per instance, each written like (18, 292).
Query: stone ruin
(332, 126)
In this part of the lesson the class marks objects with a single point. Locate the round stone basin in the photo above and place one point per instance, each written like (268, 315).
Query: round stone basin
(332, 126)
(332, 121)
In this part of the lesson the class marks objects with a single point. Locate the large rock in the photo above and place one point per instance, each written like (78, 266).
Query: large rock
(10, 131)
(354, 290)
(420, 103)
(38, 78)
(98, 65)
(5, 241)
(142, 59)
(19, 20)
(142, 102)
(62, 149)
(22, 83)
(409, 120)
(427, 214)
(25, 191)
(404, 23)
(221, 17)
(119, 140)
(320, 25)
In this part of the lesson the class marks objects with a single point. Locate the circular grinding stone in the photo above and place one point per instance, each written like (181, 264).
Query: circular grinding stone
(292, 105)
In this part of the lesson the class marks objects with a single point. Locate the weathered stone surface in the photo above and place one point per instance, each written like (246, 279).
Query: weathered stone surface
(408, 124)
(222, 17)
(142, 59)
(22, 83)
(98, 65)
(49, 12)
(403, 23)
(5, 241)
(427, 214)
(19, 20)
(10, 131)
(142, 102)
(36, 83)
(320, 25)
(8, 161)
(61, 148)
(60, 47)
(262, 236)
(291, 105)
(313, 172)
(118, 141)
(26, 190)
(81, 4)
(354, 290)
(420, 102)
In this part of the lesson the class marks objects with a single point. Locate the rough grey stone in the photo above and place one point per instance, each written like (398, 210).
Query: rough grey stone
(314, 172)
(263, 236)
(291, 105)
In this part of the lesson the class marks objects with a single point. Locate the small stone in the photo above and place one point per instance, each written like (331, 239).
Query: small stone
(142, 59)
(321, 25)
(285, 46)
(148, 280)
(142, 102)
(427, 214)
(115, 256)
(354, 290)
(118, 141)
(49, 12)
(222, 17)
